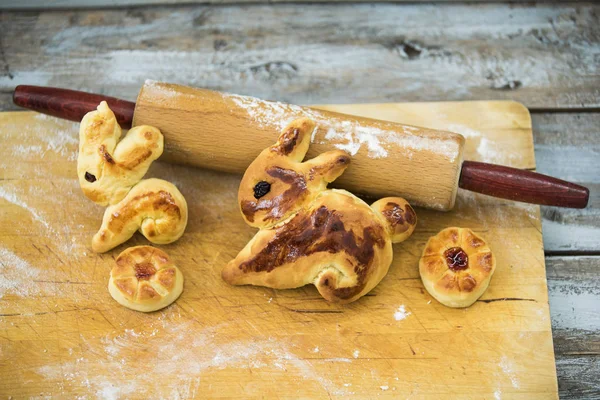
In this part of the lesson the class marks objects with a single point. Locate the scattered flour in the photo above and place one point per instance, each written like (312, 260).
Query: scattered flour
(492, 152)
(11, 197)
(507, 368)
(356, 353)
(17, 275)
(316, 349)
(488, 151)
(467, 132)
(346, 135)
(384, 388)
(61, 138)
(61, 236)
(54, 136)
(23, 150)
(498, 394)
(165, 90)
(401, 313)
(182, 350)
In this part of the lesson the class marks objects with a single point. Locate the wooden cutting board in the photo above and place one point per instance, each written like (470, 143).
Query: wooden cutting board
(62, 335)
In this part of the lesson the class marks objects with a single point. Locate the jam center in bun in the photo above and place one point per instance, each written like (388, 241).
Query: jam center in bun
(457, 259)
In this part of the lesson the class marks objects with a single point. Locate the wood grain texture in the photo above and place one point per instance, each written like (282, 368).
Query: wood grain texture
(574, 286)
(542, 55)
(567, 146)
(70, 4)
(579, 377)
(209, 129)
(61, 332)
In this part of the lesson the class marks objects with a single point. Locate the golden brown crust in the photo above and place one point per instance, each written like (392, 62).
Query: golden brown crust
(456, 266)
(144, 279)
(108, 167)
(399, 217)
(292, 182)
(127, 286)
(154, 207)
(166, 278)
(276, 206)
(337, 243)
(308, 234)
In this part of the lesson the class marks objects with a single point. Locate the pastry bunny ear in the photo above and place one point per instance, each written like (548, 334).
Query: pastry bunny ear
(294, 140)
(108, 168)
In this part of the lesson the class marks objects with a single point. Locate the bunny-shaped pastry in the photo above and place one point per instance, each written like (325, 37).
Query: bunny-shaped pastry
(311, 234)
(107, 170)
(110, 173)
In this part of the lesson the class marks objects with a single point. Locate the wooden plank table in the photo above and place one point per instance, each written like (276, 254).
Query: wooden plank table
(544, 55)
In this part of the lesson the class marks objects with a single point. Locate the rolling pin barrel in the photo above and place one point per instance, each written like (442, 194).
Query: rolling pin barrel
(226, 132)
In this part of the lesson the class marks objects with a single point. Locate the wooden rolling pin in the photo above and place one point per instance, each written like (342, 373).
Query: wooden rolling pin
(226, 132)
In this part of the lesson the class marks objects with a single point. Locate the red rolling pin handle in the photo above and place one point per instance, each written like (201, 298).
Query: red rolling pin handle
(70, 104)
(517, 184)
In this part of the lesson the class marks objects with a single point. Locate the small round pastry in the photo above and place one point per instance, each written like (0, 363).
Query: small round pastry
(144, 279)
(456, 267)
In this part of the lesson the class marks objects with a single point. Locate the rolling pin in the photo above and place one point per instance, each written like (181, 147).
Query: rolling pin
(226, 132)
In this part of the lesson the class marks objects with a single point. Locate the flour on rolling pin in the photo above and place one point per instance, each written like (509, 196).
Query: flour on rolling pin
(226, 132)
(345, 135)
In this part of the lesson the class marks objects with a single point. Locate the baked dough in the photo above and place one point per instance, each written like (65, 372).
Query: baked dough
(155, 207)
(144, 279)
(456, 267)
(110, 173)
(309, 234)
(108, 168)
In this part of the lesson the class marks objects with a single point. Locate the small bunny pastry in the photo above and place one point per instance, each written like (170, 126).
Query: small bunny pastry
(110, 174)
(154, 207)
(309, 234)
(107, 170)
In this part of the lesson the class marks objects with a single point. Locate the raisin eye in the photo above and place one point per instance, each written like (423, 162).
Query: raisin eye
(261, 188)
(90, 178)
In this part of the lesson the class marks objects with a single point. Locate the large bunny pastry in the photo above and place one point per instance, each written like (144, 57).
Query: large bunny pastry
(110, 172)
(311, 234)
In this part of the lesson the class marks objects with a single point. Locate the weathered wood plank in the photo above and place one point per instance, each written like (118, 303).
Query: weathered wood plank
(66, 4)
(574, 294)
(567, 145)
(578, 377)
(542, 55)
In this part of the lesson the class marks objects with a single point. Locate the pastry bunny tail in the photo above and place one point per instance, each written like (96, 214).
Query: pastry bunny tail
(154, 207)
(400, 218)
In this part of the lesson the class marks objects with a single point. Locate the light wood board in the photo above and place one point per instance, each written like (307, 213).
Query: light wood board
(62, 335)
